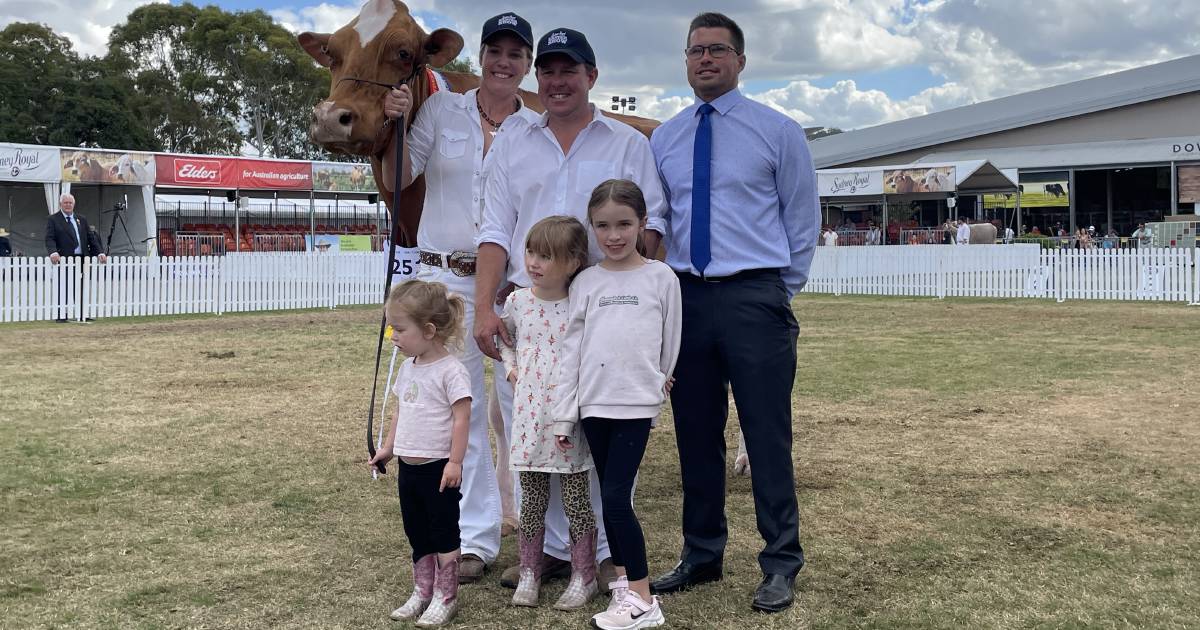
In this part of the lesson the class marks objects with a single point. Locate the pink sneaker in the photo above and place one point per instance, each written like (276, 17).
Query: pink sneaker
(633, 612)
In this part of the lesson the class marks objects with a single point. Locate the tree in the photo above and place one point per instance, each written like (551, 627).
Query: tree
(49, 95)
(275, 81)
(461, 64)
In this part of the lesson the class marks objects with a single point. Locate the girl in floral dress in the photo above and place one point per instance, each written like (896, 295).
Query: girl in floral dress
(555, 250)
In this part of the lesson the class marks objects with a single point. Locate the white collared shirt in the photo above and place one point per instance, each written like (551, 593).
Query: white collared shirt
(446, 144)
(529, 178)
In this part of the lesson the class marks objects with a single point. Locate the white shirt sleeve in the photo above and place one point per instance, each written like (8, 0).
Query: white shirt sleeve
(499, 206)
(422, 134)
(641, 169)
(566, 407)
(672, 329)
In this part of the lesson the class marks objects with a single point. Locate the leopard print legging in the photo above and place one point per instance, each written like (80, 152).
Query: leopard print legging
(577, 502)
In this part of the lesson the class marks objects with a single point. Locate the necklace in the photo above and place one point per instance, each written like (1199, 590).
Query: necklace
(488, 119)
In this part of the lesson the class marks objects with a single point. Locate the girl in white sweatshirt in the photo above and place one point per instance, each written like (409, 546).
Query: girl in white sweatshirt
(620, 349)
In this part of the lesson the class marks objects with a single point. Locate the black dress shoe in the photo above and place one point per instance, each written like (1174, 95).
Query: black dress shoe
(685, 576)
(60, 320)
(774, 594)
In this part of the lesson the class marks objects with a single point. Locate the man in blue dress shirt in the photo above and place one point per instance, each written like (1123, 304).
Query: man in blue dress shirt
(743, 222)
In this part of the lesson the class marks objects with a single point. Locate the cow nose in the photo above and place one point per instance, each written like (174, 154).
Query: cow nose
(332, 123)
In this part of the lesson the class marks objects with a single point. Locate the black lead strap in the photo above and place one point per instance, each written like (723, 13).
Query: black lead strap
(398, 141)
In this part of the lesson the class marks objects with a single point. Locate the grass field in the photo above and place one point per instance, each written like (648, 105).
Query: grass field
(960, 464)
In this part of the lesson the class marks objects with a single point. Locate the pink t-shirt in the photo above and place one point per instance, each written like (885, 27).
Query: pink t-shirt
(425, 393)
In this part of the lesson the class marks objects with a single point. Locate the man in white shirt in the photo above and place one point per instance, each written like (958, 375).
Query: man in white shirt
(550, 168)
(964, 232)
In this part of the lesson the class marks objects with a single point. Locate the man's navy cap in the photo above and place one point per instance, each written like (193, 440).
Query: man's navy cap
(508, 23)
(566, 42)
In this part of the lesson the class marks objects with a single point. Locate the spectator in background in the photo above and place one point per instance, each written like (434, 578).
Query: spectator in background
(1142, 235)
(963, 235)
(829, 237)
(874, 236)
(848, 225)
(1036, 231)
(5, 246)
(69, 236)
(1009, 237)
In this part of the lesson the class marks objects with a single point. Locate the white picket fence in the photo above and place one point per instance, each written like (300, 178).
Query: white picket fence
(32, 289)
(1008, 271)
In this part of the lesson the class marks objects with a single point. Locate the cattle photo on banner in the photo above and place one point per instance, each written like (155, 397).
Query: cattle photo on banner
(1189, 184)
(342, 177)
(114, 191)
(934, 179)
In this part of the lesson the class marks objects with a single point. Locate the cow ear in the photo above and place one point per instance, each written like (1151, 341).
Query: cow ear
(442, 46)
(315, 45)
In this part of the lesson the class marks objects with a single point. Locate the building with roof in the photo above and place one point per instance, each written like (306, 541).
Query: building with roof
(1111, 151)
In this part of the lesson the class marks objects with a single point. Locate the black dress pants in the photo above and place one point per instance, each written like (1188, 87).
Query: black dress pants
(739, 332)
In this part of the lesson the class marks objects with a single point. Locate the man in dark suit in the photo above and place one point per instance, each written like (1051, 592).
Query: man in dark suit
(68, 235)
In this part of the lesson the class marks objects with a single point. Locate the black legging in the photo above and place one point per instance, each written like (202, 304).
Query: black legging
(617, 447)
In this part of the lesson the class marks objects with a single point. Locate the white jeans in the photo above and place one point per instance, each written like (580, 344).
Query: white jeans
(479, 509)
(558, 537)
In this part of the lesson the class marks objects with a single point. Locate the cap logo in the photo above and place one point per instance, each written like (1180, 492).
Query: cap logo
(557, 38)
(507, 20)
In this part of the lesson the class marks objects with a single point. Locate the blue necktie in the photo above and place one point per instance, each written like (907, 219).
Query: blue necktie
(75, 228)
(701, 167)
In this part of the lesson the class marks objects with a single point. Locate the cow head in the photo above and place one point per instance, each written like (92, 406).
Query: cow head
(383, 44)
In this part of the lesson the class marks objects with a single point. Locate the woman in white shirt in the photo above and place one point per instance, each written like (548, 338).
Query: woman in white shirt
(447, 142)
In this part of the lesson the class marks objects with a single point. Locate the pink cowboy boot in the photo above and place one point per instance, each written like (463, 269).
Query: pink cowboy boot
(445, 596)
(582, 587)
(423, 575)
(529, 551)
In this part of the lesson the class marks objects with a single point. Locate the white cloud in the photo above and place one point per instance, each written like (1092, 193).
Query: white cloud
(325, 17)
(979, 49)
(86, 24)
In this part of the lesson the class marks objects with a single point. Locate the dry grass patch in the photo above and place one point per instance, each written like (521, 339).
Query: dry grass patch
(960, 463)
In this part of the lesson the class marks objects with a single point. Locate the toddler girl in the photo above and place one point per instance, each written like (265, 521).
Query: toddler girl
(429, 435)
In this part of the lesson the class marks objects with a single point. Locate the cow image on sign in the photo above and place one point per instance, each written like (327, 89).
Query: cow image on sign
(384, 44)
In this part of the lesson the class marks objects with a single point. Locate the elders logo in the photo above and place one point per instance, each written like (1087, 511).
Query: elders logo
(197, 170)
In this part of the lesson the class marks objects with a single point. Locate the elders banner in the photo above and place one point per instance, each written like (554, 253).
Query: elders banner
(201, 172)
(274, 175)
(209, 171)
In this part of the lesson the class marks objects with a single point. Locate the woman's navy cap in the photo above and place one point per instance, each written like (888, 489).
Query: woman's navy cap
(508, 23)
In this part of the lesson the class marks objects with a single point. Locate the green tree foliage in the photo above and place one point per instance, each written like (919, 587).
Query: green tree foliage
(49, 95)
(212, 81)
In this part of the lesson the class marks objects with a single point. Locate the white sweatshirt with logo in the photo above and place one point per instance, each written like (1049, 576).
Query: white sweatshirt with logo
(621, 344)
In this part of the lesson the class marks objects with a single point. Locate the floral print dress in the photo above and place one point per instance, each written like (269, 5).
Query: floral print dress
(537, 327)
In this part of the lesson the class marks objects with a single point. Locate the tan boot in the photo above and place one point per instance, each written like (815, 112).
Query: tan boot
(529, 585)
(582, 586)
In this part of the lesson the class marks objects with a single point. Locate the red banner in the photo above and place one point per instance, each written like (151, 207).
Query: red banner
(204, 172)
(232, 173)
(273, 175)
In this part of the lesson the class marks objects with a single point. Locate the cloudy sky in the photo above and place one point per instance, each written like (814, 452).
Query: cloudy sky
(840, 63)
